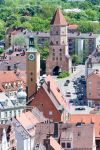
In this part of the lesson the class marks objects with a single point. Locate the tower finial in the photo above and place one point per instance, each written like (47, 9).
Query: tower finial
(58, 18)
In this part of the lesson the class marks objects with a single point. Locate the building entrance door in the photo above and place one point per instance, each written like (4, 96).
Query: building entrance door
(56, 70)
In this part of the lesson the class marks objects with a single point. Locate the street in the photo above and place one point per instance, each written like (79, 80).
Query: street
(80, 70)
(74, 92)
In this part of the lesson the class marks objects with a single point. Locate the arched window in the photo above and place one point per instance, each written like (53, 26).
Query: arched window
(53, 58)
(53, 54)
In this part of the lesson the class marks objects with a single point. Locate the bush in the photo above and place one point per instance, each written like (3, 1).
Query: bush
(63, 74)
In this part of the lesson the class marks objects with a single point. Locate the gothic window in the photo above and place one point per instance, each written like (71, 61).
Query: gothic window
(31, 79)
(56, 42)
(53, 58)
(60, 58)
(63, 42)
(51, 43)
(53, 54)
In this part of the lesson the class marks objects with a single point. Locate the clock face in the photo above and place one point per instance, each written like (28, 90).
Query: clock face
(31, 57)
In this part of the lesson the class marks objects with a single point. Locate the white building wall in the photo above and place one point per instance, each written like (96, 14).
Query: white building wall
(80, 45)
(20, 142)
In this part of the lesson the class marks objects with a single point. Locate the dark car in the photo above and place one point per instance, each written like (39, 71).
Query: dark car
(71, 101)
(82, 76)
(65, 84)
(80, 108)
(68, 81)
(68, 94)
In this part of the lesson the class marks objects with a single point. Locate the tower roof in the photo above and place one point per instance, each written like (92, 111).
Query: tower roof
(58, 18)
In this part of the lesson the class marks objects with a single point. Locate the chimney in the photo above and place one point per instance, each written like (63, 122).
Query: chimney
(90, 34)
(78, 33)
(97, 71)
(48, 86)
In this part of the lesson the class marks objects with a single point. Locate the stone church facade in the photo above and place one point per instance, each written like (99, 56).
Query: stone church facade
(58, 58)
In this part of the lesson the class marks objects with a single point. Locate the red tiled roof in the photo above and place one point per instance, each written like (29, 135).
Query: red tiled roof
(73, 26)
(28, 120)
(78, 134)
(8, 76)
(88, 118)
(94, 74)
(15, 32)
(58, 18)
(55, 91)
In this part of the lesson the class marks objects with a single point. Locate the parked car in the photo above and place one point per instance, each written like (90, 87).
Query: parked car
(68, 94)
(68, 81)
(71, 101)
(65, 84)
(80, 108)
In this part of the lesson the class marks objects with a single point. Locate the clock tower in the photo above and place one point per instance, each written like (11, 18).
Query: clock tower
(32, 70)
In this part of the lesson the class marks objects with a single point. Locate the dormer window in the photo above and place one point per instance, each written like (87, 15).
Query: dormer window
(6, 86)
(14, 83)
(58, 90)
(9, 85)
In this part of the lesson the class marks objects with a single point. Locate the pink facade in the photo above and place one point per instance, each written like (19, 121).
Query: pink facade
(93, 86)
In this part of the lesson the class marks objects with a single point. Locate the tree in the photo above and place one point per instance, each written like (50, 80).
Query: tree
(94, 2)
(19, 41)
(1, 50)
(63, 74)
(27, 25)
(2, 29)
(85, 26)
(92, 14)
(75, 59)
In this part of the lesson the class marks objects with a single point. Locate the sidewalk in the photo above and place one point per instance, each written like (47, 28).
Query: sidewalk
(78, 72)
